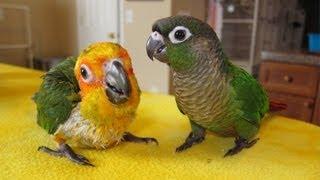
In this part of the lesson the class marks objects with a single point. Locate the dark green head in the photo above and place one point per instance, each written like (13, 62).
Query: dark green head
(180, 40)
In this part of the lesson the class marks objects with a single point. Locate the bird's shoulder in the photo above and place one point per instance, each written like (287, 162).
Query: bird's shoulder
(57, 95)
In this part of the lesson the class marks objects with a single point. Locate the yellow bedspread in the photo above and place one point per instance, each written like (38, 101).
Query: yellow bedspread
(287, 148)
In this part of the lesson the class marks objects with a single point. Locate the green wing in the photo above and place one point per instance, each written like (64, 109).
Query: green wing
(57, 96)
(249, 94)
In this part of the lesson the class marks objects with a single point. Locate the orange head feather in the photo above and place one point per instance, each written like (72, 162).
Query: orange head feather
(106, 80)
(94, 58)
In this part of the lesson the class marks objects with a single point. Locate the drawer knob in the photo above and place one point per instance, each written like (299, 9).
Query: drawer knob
(308, 105)
(288, 78)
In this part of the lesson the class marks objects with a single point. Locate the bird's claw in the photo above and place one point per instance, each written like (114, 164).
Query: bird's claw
(183, 147)
(71, 155)
(66, 151)
(150, 140)
(81, 160)
(240, 144)
(132, 138)
(232, 151)
(50, 151)
(193, 138)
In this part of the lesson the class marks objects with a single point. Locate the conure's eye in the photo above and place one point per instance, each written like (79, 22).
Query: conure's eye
(179, 34)
(86, 73)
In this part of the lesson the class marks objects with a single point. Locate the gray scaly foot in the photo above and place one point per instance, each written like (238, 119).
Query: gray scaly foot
(66, 151)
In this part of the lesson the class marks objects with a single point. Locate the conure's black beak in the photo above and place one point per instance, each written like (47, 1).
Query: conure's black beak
(156, 47)
(116, 82)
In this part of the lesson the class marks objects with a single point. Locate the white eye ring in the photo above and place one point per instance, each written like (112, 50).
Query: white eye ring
(174, 39)
(86, 73)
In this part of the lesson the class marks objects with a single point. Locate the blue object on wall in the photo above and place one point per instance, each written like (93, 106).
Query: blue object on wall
(314, 42)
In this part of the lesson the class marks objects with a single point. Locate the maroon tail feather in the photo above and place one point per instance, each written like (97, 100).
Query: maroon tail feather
(276, 106)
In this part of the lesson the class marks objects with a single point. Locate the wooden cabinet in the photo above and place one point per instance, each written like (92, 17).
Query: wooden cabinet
(290, 78)
(297, 107)
(293, 84)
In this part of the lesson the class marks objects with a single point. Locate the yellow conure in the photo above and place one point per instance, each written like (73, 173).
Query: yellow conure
(89, 101)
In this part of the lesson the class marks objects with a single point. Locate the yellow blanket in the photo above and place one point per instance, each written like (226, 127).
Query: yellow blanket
(287, 148)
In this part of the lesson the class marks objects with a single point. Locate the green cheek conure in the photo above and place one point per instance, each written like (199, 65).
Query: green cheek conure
(215, 94)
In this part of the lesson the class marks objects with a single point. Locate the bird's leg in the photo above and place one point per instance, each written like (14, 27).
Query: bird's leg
(128, 137)
(65, 150)
(240, 143)
(195, 137)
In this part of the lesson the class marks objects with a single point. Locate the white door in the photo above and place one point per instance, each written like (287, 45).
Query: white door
(98, 20)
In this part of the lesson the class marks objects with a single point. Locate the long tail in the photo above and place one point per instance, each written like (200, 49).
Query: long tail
(276, 106)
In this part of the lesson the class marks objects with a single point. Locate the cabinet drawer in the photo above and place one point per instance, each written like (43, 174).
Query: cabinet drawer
(289, 78)
(300, 108)
(316, 112)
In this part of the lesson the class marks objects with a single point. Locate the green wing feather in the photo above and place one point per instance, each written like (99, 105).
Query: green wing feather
(57, 96)
(248, 94)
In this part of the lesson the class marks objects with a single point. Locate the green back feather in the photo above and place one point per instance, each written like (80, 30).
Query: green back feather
(57, 96)
(248, 93)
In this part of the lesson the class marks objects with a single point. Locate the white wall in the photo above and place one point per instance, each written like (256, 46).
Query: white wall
(138, 17)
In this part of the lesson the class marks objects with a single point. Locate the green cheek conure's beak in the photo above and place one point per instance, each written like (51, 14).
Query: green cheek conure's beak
(116, 82)
(156, 47)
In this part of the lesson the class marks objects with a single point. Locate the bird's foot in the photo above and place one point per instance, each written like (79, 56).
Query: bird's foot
(240, 144)
(193, 138)
(66, 151)
(128, 137)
